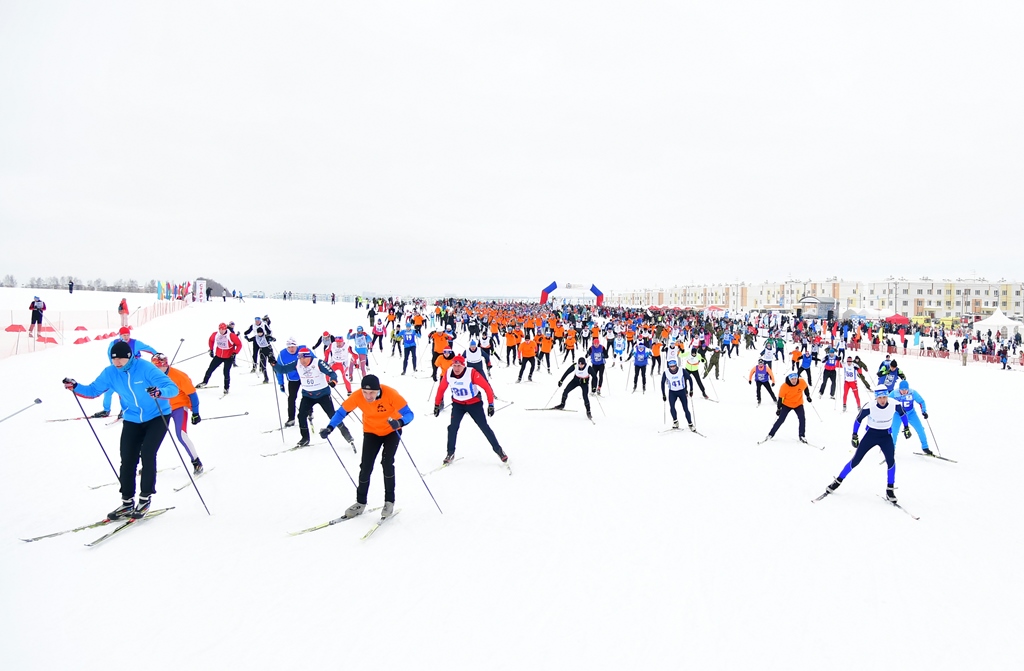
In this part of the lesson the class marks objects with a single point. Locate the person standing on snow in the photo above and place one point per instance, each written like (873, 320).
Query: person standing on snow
(144, 390)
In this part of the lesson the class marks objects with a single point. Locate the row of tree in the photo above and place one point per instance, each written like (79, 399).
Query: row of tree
(54, 282)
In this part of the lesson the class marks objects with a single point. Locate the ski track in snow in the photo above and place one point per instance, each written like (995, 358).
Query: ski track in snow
(609, 548)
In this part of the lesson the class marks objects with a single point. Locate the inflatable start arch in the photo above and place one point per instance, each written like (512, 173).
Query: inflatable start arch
(570, 285)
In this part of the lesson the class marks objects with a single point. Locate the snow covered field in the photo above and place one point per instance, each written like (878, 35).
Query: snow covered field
(611, 546)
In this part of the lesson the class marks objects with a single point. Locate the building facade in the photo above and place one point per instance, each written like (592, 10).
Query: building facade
(923, 297)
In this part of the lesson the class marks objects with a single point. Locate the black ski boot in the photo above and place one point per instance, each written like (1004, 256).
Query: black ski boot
(123, 510)
(141, 509)
(890, 493)
(834, 486)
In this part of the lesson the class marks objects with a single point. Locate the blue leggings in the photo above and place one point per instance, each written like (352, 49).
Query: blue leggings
(915, 421)
(179, 418)
(680, 395)
(883, 440)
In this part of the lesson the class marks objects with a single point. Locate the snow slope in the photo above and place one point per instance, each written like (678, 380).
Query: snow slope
(610, 547)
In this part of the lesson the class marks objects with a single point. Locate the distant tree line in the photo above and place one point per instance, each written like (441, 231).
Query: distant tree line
(98, 284)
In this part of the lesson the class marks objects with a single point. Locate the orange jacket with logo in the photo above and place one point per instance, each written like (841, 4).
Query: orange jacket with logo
(528, 348)
(185, 387)
(545, 344)
(790, 395)
(376, 413)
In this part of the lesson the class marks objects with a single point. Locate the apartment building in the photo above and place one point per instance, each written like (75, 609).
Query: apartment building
(923, 297)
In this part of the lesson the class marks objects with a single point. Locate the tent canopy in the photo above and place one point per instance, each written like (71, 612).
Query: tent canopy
(897, 319)
(996, 321)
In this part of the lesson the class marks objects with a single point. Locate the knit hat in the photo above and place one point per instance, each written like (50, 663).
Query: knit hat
(459, 359)
(120, 350)
(304, 351)
(221, 325)
(290, 342)
(124, 330)
(370, 382)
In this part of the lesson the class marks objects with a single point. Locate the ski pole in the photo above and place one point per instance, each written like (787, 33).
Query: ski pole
(210, 419)
(815, 411)
(84, 414)
(195, 356)
(431, 392)
(176, 351)
(167, 428)
(548, 402)
(342, 463)
(35, 402)
(934, 442)
(418, 473)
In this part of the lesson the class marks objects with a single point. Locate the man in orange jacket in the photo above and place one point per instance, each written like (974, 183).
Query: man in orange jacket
(527, 354)
(791, 398)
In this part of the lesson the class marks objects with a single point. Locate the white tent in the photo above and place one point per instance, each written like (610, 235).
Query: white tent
(997, 322)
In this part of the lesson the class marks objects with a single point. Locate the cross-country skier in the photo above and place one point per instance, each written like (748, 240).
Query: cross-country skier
(762, 374)
(598, 355)
(288, 355)
(691, 371)
(581, 379)
(791, 398)
(144, 423)
(907, 397)
(879, 418)
(640, 357)
(38, 307)
(223, 348)
(385, 412)
(675, 379)
(850, 372)
(257, 324)
(186, 401)
(316, 380)
(465, 389)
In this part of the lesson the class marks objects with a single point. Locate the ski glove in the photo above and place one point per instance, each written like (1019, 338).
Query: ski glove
(332, 383)
(153, 391)
(196, 419)
(490, 410)
(395, 424)
(437, 409)
(664, 398)
(750, 382)
(856, 441)
(925, 415)
(69, 384)
(906, 432)
(211, 353)
(282, 389)
(272, 360)
(559, 383)
(326, 431)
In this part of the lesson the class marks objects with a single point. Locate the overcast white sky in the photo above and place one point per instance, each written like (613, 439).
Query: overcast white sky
(492, 147)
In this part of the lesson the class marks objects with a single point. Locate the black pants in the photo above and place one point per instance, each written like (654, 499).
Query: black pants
(433, 365)
(510, 354)
(264, 353)
(293, 392)
(690, 376)
(379, 340)
(478, 366)
(655, 362)
(767, 387)
(255, 351)
(544, 357)
(218, 360)
(409, 351)
(306, 406)
(569, 353)
(596, 377)
(522, 367)
(639, 371)
(582, 383)
(799, 410)
(476, 411)
(678, 395)
(372, 444)
(810, 383)
(826, 376)
(140, 441)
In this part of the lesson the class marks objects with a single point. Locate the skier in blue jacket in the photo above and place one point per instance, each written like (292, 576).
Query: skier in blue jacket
(143, 389)
(138, 347)
(907, 397)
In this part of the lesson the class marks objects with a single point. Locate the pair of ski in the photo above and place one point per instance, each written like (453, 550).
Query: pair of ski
(564, 410)
(104, 522)
(669, 430)
(443, 466)
(338, 520)
(804, 441)
(292, 449)
(194, 477)
(72, 419)
(892, 503)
